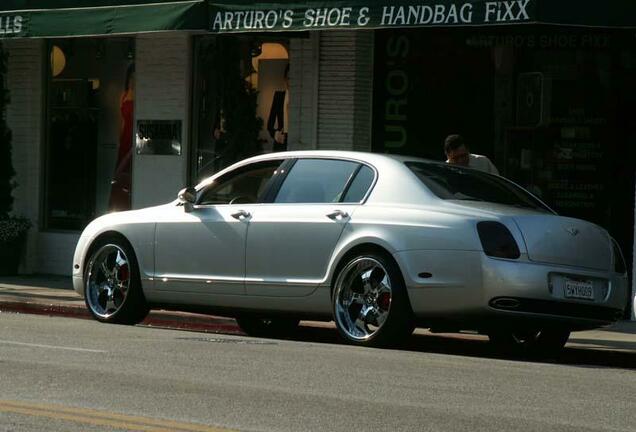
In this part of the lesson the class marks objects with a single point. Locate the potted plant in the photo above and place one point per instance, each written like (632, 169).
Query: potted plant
(13, 229)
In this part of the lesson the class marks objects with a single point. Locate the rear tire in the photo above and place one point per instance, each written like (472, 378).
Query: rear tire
(112, 286)
(370, 302)
(268, 327)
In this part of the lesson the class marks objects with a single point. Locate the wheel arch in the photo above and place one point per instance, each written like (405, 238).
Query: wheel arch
(362, 246)
(106, 234)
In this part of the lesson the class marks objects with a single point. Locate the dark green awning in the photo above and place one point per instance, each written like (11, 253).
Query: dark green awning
(56, 18)
(250, 16)
(59, 18)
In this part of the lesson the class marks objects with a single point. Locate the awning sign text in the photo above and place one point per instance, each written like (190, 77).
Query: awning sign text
(11, 25)
(430, 14)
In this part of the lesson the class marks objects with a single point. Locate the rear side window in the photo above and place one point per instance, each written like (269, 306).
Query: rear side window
(316, 181)
(360, 185)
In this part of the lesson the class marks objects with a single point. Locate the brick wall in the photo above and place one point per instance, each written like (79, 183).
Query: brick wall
(163, 80)
(345, 90)
(25, 116)
(46, 252)
(303, 81)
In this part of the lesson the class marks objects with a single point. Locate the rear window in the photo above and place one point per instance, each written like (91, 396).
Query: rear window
(455, 183)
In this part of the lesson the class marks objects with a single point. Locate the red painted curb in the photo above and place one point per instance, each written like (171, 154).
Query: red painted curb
(163, 319)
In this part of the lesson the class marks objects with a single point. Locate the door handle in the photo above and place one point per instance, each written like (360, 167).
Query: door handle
(241, 214)
(338, 215)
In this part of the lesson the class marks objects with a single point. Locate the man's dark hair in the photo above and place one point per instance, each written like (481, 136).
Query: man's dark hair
(453, 142)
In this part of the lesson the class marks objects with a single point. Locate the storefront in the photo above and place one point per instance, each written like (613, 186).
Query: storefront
(118, 104)
(551, 107)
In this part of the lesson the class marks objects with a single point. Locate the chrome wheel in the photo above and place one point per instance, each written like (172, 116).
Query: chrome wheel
(362, 298)
(108, 280)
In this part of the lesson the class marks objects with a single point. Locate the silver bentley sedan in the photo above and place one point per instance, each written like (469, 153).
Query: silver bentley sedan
(379, 244)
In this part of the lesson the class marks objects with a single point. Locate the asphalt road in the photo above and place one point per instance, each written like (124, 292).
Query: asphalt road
(78, 375)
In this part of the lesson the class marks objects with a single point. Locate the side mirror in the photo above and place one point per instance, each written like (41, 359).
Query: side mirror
(187, 198)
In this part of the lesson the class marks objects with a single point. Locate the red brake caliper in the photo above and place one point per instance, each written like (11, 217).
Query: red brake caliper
(384, 301)
(124, 274)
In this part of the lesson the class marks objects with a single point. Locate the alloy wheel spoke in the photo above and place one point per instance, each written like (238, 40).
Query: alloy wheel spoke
(356, 299)
(110, 304)
(376, 277)
(105, 270)
(361, 321)
(100, 288)
(108, 281)
(379, 317)
(357, 285)
(363, 293)
(120, 262)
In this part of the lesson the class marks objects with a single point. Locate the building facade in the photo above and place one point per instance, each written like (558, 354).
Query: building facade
(106, 122)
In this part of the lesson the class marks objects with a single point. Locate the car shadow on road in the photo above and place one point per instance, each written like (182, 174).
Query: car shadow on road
(582, 352)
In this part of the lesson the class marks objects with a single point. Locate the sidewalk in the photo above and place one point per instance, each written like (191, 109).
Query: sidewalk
(54, 295)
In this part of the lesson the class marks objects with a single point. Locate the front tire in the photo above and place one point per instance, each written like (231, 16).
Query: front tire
(112, 286)
(370, 302)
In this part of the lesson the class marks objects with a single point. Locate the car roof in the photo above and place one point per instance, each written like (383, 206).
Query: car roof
(367, 157)
(396, 186)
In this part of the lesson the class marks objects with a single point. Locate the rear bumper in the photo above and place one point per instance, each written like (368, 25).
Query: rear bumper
(465, 284)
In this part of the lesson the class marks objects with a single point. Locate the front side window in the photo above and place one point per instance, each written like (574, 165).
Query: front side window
(316, 181)
(455, 183)
(245, 185)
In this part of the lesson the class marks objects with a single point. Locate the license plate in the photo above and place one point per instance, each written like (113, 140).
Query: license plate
(579, 289)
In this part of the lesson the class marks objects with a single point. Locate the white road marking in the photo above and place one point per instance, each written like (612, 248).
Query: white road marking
(51, 346)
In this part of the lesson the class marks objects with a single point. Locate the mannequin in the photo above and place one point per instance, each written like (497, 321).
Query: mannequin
(121, 183)
(278, 122)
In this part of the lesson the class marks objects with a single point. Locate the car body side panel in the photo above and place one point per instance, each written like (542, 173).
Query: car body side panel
(138, 227)
(201, 250)
(397, 229)
(315, 305)
(289, 247)
(452, 284)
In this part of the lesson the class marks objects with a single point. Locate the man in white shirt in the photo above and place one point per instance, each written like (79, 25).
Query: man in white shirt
(457, 153)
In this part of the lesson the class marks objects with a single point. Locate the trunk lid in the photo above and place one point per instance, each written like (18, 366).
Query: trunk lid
(565, 241)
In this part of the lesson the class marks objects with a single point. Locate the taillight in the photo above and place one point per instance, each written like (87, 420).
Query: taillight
(619, 261)
(497, 240)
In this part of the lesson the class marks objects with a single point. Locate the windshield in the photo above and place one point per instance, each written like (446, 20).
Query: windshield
(455, 183)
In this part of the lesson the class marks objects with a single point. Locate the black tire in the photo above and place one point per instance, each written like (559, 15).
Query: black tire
(268, 327)
(398, 324)
(133, 308)
(544, 342)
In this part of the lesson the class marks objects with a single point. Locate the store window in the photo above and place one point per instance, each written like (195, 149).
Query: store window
(241, 100)
(90, 110)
